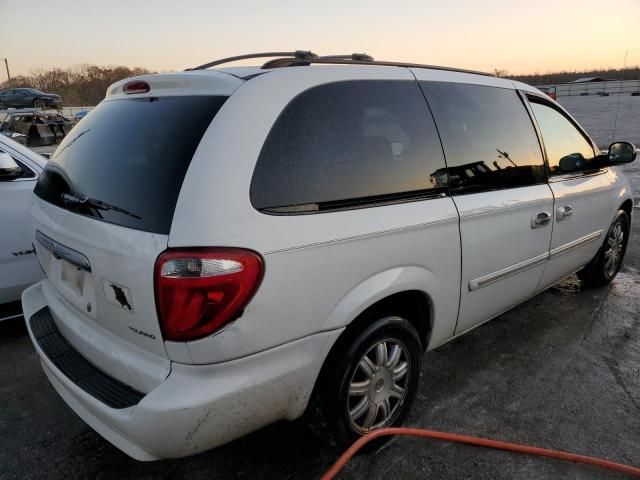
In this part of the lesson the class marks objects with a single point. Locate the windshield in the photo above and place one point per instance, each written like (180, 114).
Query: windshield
(131, 154)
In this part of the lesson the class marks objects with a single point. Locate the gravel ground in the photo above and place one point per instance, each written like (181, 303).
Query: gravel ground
(561, 370)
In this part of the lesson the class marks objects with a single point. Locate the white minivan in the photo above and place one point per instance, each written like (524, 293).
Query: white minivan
(225, 247)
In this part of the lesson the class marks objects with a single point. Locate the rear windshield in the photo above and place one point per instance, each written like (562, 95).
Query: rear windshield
(127, 159)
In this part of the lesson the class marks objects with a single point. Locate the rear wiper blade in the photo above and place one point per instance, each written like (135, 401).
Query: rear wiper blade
(84, 201)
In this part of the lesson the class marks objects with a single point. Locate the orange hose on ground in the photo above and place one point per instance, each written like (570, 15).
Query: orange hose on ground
(480, 442)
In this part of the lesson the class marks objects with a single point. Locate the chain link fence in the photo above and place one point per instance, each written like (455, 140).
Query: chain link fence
(609, 87)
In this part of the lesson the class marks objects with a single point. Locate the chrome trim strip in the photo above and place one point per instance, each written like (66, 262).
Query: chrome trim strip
(377, 233)
(573, 176)
(10, 317)
(568, 247)
(507, 272)
(60, 251)
(476, 283)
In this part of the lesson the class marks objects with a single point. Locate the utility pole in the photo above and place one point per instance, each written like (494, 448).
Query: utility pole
(615, 122)
(6, 66)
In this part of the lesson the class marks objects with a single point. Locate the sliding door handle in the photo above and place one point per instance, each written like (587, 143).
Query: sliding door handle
(563, 212)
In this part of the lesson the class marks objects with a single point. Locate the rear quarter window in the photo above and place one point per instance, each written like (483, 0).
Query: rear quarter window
(348, 144)
(132, 153)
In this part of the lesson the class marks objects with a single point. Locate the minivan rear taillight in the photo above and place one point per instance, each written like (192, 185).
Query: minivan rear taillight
(200, 290)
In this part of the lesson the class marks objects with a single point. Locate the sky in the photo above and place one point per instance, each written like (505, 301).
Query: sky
(161, 35)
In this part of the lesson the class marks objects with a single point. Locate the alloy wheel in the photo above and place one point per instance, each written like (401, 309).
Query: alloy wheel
(379, 385)
(613, 249)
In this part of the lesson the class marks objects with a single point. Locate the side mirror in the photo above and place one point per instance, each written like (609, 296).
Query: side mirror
(9, 169)
(621, 152)
(572, 163)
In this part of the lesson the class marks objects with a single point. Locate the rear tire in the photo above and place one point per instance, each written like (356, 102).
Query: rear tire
(373, 380)
(3, 106)
(607, 262)
(39, 103)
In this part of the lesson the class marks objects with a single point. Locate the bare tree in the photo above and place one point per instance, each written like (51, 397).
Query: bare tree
(500, 72)
(82, 85)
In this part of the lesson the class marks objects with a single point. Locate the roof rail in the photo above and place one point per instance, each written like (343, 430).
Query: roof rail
(298, 55)
(353, 56)
(306, 57)
(360, 59)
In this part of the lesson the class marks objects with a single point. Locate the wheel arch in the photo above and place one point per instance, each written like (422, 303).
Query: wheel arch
(413, 292)
(627, 206)
(400, 290)
(414, 305)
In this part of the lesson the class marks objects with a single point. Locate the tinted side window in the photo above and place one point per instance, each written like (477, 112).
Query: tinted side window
(348, 144)
(488, 137)
(561, 137)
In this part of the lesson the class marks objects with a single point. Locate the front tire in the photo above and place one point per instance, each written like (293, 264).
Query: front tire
(373, 381)
(606, 264)
(39, 103)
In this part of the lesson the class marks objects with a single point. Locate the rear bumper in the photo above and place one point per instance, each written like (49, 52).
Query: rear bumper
(198, 407)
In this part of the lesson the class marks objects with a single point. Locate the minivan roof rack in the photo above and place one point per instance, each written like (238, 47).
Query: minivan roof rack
(299, 58)
(360, 59)
(297, 55)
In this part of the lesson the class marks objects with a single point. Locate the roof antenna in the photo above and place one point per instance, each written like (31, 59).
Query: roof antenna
(615, 122)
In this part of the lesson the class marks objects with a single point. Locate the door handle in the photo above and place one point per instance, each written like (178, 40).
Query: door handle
(540, 219)
(563, 212)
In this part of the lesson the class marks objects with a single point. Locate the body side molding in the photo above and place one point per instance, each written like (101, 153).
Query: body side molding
(479, 282)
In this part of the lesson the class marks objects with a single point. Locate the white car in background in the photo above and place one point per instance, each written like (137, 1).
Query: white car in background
(19, 172)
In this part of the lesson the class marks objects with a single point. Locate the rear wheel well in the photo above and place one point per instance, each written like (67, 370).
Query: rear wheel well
(413, 305)
(627, 206)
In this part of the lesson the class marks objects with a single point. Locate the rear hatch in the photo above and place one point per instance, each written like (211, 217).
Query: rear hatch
(103, 211)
